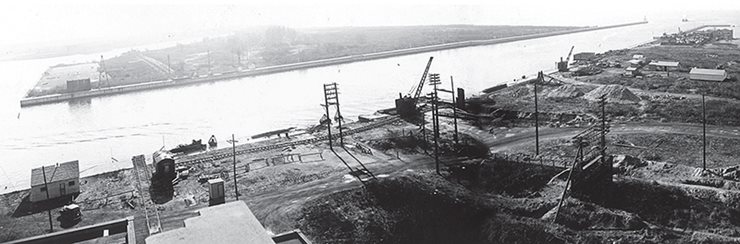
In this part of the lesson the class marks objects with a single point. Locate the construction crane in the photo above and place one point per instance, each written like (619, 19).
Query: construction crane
(406, 105)
(563, 65)
(415, 91)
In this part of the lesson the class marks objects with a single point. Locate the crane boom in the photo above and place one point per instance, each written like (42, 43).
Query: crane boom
(416, 90)
(569, 53)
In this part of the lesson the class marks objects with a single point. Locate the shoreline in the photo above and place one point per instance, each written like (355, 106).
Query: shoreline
(32, 101)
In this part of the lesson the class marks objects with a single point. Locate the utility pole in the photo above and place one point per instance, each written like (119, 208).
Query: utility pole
(424, 129)
(434, 81)
(209, 62)
(536, 117)
(704, 121)
(51, 224)
(233, 148)
(331, 98)
(339, 116)
(239, 57)
(169, 68)
(454, 109)
(602, 102)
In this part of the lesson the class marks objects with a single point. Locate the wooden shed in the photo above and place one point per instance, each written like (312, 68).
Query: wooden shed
(53, 181)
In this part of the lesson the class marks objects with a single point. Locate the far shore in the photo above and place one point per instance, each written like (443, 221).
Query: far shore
(31, 101)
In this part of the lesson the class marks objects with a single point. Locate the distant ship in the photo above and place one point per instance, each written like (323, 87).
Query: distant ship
(684, 19)
(196, 145)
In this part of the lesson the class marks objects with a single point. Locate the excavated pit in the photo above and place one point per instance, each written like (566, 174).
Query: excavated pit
(417, 208)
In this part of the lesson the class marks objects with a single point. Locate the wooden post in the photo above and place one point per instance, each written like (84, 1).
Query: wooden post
(51, 224)
(536, 117)
(233, 148)
(454, 109)
(704, 121)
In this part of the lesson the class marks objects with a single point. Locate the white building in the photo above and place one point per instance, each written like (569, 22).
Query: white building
(61, 179)
(708, 74)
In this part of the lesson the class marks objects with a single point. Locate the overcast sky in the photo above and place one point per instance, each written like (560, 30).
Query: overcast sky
(82, 20)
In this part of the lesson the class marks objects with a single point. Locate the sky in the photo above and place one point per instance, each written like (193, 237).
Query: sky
(64, 22)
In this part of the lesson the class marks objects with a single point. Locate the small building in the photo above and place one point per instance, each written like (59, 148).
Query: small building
(708, 74)
(61, 179)
(632, 72)
(78, 85)
(216, 194)
(584, 56)
(664, 66)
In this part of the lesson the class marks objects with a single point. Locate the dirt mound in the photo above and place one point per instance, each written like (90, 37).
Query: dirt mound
(521, 91)
(417, 208)
(564, 91)
(614, 94)
(581, 215)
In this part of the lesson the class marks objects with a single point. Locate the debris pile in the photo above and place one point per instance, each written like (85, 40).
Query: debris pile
(614, 94)
(565, 92)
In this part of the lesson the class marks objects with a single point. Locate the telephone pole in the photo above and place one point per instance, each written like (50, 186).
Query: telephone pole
(454, 108)
(434, 81)
(704, 121)
(233, 148)
(46, 186)
(602, 102)
(536, 117)
(331, 97)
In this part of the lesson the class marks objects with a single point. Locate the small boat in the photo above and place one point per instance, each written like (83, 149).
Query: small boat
(212, 142)
(196, 145)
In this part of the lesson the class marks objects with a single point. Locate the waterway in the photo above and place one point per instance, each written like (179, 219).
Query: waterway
(103, 133)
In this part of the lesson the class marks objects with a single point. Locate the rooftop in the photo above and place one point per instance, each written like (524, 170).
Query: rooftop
(707, 71)
(231, 222)
(664, 63)
(58, 172)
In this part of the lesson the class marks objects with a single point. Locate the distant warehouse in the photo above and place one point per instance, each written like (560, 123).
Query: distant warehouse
(708, 74)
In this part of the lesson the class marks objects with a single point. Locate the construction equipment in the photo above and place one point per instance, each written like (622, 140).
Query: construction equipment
(406, 105)
(563, 65)
(416, 90)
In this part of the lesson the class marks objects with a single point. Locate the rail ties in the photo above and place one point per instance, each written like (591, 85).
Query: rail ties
(369, 126)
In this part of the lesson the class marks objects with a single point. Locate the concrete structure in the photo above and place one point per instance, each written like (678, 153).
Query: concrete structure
(216, 192)
(708, 74)
(226, 223)
(62, 180)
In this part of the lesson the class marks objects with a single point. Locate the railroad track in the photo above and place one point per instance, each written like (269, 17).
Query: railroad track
(154, 225)
(227, 154)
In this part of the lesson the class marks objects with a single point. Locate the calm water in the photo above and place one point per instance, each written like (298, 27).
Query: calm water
(124, 125)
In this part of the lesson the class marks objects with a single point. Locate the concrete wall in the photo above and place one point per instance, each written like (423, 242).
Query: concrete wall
(55, 190)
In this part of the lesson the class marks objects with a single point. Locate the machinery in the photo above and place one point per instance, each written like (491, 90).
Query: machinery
(563, 65)
(406, 105)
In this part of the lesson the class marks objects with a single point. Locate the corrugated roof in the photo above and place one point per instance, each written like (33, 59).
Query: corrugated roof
(60, 172)
(664, 63)
(698, 71)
